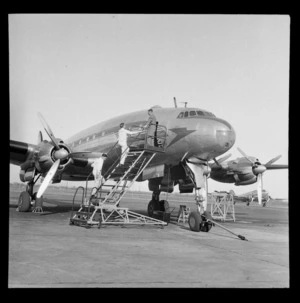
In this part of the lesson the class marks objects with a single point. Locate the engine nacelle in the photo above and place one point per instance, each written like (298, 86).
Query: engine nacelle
(246, 182)
(47, 155)
(27, 171)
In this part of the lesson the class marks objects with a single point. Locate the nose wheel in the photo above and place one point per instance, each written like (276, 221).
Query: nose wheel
(24, 202)
(28, 198)
(199, 222)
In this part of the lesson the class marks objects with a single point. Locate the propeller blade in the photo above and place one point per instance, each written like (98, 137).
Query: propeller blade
(48, 178)
(86, 155)
(222, 159)
(216, 161)
(259, 188)
(277, 166)
(245, 155)
(273, 160)
(48, 131)
(40, 137)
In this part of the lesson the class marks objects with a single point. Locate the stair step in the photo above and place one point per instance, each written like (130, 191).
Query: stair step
(83, 213)
(106, 191)
(104, 185)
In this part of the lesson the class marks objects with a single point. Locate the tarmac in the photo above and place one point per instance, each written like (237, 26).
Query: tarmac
(46, 252)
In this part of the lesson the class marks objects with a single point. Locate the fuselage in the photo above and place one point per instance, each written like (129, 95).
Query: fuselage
(190, 132)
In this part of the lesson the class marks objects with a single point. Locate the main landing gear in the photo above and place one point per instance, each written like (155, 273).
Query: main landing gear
(157, 205)
(28, 198)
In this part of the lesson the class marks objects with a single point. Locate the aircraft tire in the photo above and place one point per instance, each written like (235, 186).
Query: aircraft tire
(195, 221)
(206, 226)
(24, 202)
(153, 206)
(164, 205)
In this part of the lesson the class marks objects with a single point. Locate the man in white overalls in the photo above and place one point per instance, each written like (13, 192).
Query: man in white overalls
(122, 141)
(97, 168)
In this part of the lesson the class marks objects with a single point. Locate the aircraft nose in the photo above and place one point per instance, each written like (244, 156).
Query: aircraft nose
(225, 135)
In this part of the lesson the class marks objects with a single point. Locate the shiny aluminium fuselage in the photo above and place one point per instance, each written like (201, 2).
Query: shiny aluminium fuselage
(204, 137)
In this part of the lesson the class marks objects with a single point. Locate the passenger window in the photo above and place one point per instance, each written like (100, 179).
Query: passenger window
(186, 114)
(200, 113)
(192, 113)
(180, 115)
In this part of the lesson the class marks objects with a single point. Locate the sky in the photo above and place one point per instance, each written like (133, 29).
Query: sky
(81, 69)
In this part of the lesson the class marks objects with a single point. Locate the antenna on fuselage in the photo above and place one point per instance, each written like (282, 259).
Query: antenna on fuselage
(185, 103)
(175, 103)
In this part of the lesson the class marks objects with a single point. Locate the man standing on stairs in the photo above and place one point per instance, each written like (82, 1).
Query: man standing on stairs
(97, 169)
(152, 127)
(122, 141)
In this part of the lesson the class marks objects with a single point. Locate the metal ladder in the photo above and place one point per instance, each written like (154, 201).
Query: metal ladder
(107, 197)
(124, 176)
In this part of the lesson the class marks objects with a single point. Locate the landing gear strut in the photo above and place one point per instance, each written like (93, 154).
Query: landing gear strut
(198, 172)
(198, 219)
(28, 198)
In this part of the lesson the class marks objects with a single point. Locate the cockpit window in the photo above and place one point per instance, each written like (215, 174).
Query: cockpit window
(209, 114)
(194, 113)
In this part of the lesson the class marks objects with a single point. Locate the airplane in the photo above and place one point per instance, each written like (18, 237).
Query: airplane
(190, 138)
(244, 171)
(247, 197)
(252, 196)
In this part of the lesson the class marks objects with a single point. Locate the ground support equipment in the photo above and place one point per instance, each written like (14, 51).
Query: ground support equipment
(183, 214)
(38, 205)
(109, 214)
(102, 207)
(222, 207)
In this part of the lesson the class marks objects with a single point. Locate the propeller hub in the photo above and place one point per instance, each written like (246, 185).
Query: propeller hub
(259, 169)
(61, 154)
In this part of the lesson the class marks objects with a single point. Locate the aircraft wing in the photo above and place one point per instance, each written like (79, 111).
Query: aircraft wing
(20, 152)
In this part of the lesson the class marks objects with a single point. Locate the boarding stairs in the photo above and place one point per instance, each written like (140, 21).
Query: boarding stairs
(103, 205)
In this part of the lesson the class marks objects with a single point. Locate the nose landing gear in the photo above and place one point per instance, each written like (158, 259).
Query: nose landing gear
(28, 198)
